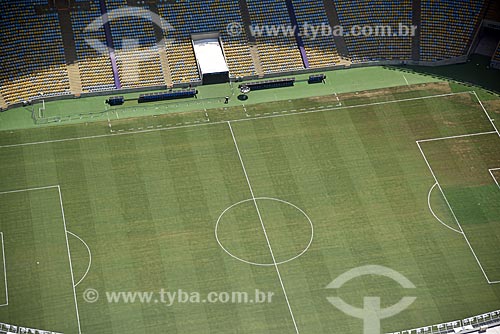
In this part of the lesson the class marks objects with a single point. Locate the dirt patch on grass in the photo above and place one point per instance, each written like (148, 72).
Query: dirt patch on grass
(386, 93)
(496, 175)
(462, 148)
(472, 157)
(492, 106)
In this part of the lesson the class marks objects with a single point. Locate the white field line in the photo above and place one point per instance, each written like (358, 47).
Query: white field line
(65, 234)
(233, 121)
(1, 233)
(109, 121)
(351, 107)
(107, 135)
(338, 99)
(263, 228)
(493, 175)
(406, 80)
(69, 257)
(459, 136)
(437, 183)
(486, 112)
(90, 257)
(27, 189)
(454, 216)
(5, 273)
(432, 211)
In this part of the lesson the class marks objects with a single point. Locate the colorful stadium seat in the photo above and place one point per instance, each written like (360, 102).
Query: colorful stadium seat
(33, 57)
(277, 53)
(320, 49)
(204, 16)
(136, 49)
(375, 13)
(32, 62)
(448, 27)
(495, 61)
(95, 67)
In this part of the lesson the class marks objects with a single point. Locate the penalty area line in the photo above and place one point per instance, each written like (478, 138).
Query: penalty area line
(58, 187)
(486, 112)
(434, 214)
(458, 136)
(454, 215)
(90, 257)
(493, 175)
(69, 258)
(27, 189)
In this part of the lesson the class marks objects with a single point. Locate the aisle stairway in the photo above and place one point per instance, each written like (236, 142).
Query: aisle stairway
(3, 104)
(333, 19)
(254, 50)
(416, 21)
(68, 39)
(298, 38)
(110, 44)
(160, 41)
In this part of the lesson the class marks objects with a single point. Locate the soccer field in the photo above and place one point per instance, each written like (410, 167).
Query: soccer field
(282, 197)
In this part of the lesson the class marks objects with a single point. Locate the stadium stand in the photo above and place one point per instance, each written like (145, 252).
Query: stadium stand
(198, 17)
(297, 34)
(3, 104)
(321, 50)
(95, 68)
(39, 60)
(254, 52)
(448, 27)
(277, 53)
(376, 13)
(162, 46)
(69, 47)
(180, 54)
(495, 61)
(493, 11)
(476, 324)
(9, 329)
(32, 62)
(136, 49)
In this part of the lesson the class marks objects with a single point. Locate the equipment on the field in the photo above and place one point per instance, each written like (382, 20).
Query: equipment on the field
(170, 95)
(115, 101)
(285, 82)
(316, 78)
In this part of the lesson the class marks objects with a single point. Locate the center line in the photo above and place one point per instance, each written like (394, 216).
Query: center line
(263, 228)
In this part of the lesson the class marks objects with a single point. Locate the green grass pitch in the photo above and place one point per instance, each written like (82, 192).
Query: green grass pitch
(137, 209)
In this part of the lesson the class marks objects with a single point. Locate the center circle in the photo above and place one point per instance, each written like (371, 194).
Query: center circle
(292, 230)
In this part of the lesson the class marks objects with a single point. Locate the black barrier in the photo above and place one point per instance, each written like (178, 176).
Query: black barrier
(161, 96)
(316, 78)
(115, 101)
(286, 82)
